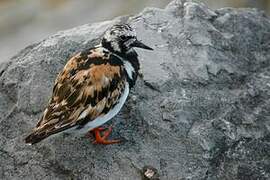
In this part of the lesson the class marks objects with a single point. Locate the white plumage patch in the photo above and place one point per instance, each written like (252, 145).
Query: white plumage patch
(129, 68)
(103, 119)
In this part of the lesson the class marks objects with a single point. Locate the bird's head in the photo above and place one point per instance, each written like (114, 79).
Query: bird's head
(121, 38)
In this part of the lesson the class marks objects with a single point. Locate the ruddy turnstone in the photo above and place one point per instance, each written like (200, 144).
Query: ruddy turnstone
(92, 87)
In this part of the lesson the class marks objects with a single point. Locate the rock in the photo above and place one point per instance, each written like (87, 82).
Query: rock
(201, 110)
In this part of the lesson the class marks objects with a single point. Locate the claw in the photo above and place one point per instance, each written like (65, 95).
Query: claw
(103, 139)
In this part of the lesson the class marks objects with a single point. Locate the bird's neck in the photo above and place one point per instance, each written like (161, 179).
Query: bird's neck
(130, 61)
(131, 65)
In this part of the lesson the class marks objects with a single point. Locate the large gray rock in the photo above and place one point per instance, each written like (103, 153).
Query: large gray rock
(201, 111)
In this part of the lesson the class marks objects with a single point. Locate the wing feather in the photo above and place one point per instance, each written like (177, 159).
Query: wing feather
(82, 86)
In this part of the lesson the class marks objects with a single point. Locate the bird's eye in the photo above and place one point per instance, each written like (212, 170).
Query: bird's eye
(124, 38)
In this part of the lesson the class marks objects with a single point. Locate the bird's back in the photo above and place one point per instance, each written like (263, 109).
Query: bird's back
(88, 87)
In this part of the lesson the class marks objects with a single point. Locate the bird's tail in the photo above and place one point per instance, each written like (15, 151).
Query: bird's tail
(40, 133)
(35, 137)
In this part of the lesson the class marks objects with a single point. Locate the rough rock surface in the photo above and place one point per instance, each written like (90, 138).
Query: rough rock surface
(201, 111)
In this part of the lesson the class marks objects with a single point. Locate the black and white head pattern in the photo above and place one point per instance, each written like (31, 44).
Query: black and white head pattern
(119, 38)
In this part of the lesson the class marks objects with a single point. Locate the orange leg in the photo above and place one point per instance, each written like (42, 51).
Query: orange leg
(103, 139)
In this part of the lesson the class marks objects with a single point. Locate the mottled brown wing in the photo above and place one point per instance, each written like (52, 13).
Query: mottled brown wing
(87, 83)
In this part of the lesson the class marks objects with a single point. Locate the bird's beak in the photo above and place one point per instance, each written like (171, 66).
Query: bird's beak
(139, 44)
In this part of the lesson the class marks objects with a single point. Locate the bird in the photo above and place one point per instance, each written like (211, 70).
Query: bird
(92, 87)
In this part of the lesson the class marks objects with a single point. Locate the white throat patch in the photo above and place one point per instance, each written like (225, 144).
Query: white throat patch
(129, 68)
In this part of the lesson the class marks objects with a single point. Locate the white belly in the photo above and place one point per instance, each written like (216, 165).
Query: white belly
(103, 119)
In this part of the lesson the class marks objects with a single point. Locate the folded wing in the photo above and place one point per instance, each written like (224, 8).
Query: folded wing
(88, 87)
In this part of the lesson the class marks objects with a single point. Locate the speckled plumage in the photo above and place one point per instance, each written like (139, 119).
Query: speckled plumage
(90, 86)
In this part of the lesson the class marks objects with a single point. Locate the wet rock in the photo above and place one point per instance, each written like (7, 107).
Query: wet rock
(207, 116)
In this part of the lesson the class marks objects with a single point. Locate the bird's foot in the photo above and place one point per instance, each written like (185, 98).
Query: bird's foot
(102, 139)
